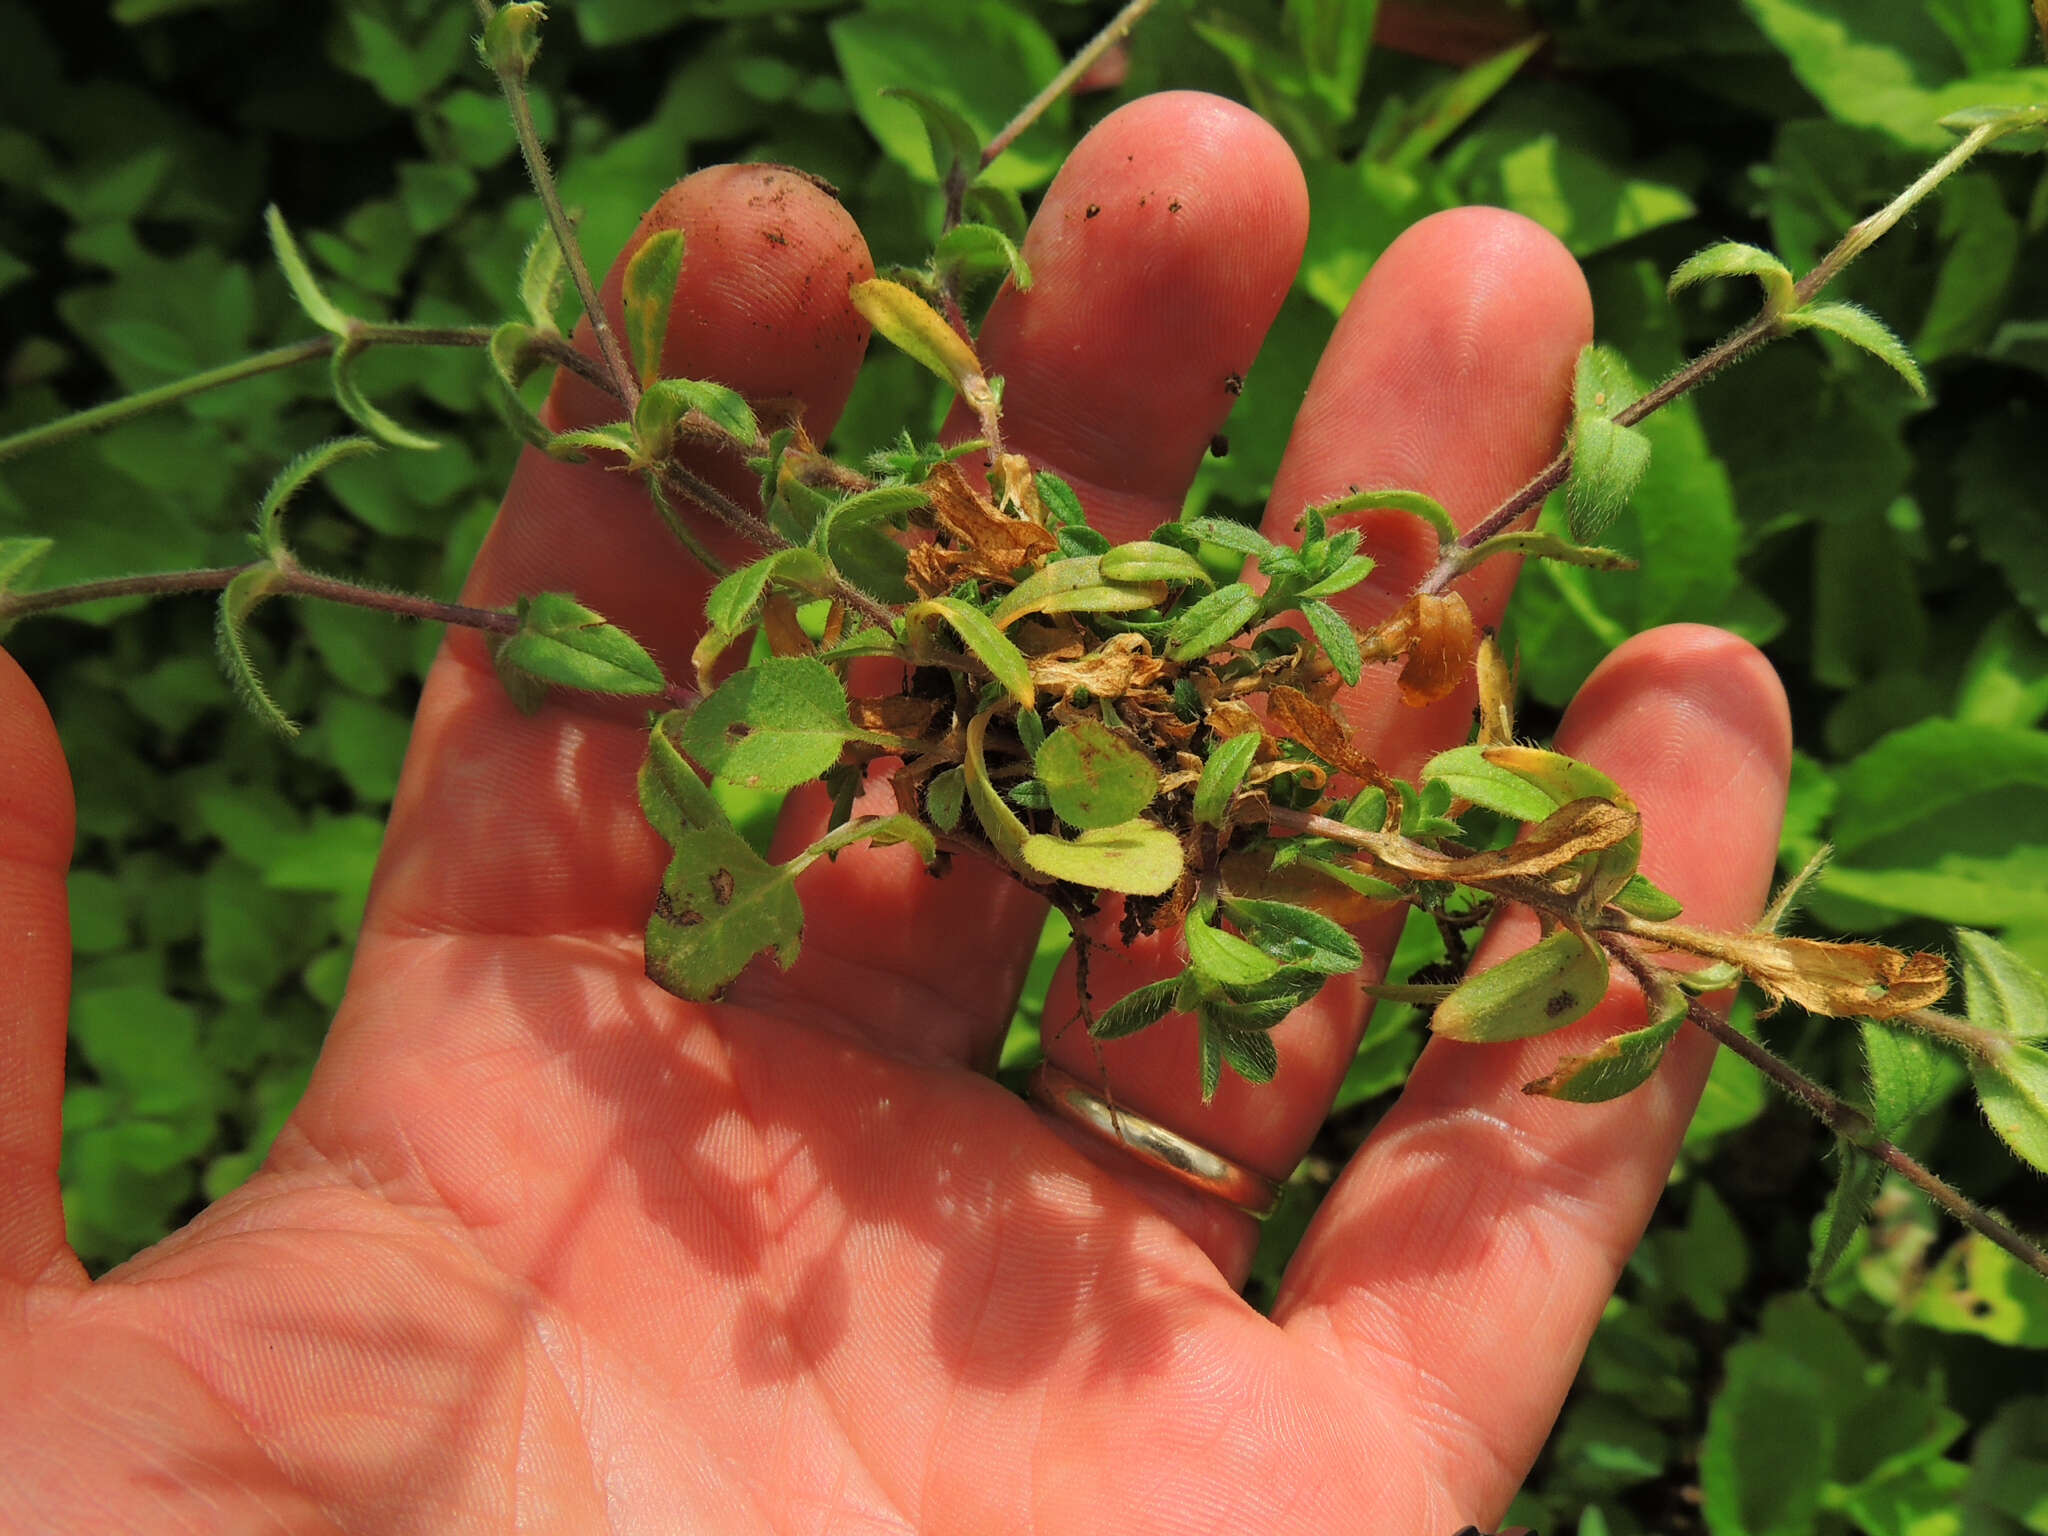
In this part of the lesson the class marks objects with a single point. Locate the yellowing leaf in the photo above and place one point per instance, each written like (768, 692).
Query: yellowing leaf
(1545, 987)
(918, 329)
(1622, 1063)
(1134, 857)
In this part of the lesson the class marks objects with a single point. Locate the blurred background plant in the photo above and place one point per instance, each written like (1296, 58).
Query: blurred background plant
(1890, 553)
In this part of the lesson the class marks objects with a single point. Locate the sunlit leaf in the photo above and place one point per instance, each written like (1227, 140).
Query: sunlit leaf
(1554, 982)
(352, 400)
(970, 253)
(562, 642)
(1338, 639)
(1731, 258)
(1137, 858)
(648, 292)
(1296, 936)
(1136, 1010)
(1861, 328)
(984, 641)
(1224, 959)
(292, 479)
(772, 726)
(914, 326)
(2005, 993)
(1211, 621)
(1006, 833)
(1094, 777)
(1145, 561)
(1471, 777)
(237, 602)
(1075, 586)
(668, 401)
(1228, 763)
(320, 309)
(1620, 1064)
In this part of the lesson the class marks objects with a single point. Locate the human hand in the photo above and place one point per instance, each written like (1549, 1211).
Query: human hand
(545, 1247)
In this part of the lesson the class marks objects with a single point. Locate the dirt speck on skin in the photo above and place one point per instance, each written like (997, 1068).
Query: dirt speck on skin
(1219, 446)
(801, 174)
(1233, 384)
(1093, 209)
(774, 237)
(1174, 206)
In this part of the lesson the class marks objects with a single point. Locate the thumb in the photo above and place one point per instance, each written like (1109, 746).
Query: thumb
(36, 818)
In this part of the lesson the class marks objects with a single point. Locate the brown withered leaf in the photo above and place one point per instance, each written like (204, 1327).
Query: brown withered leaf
(1584, 826)
(1496, 695)
(1844, 981)
(1229, 717)
(894, 715)
(786, 636)
(1250, 872)
(991, 545)
(932, 570)
(1020, 486)
(1120, 664)
(1441, 641)
(1293, 714)
(1059, 637)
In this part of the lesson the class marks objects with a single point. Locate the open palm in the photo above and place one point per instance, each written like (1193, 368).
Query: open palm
(546, 1248)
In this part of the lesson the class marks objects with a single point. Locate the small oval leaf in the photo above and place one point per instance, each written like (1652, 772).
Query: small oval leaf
(1094, 777)
(1545, 987)
(1136, 858)
(987, 643)
(1228, 763)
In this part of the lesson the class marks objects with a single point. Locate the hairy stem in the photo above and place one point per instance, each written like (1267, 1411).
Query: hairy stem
(1765, 326)
(1855, 1128)
(1119, 28)
(292, 581)
(50, 433)
(513, 84)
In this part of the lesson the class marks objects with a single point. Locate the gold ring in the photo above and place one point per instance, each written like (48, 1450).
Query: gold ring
(1154, 1145)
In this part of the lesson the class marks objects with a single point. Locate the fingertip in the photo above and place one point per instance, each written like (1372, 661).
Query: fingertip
(37, 814)
(760, 301)
(1160, 255)
(1694, 722)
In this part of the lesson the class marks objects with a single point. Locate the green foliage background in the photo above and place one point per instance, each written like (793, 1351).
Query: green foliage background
(1891, 554)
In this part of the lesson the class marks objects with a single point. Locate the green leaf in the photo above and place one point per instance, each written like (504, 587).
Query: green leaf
(1211, 621)
(320, 309)
(2005, 993)
(1136, 1010)
(311, 464)
(1006, 833)
(349, 394)
(1608, 462)
(1768, 1445)
(1861, 328)
(944, 794)
(1980, 1289)
(2012, 1085)
(773, 726)
(1620, 1064)
(1250, 1053)
(737, 597)
(1296, 936)
(1542, 544)
(1353, 570)
(1338, 639)
(613, 437)
(648, 292)
(562, 642)
(237, 602)
(1134, 857)
(513, 358)
(1228, 763)
(1223, 959)
(956, 147)
(1210, 1046)
(1731, 258)
(721, 904)
(1640, 898)
(1857, 1181)
(1144, 560)
(1094, 776)
(1428, 508)
(667, 401)
(541, 277)
(1232, 536)
(985, 641)
(1554, 982)
(1470, 776)
(1447, 107)
(1074, 586)
(1909, 1074)
(672, 797)
(970, 253)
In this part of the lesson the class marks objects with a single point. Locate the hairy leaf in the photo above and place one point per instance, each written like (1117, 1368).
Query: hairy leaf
(985, 641)
(1145, 561)
(918, 329)
(1554, 982)
(1471, 777)
(237, 602)
(2004, 992)
(1622, 1063)
(320, 309)
(1094, 776)
(1005, 832)
(349, 394)
(648, 292)
(1338, 639)
(1731, 258)
(1211, 621)
(1136, 1010)
(1228, 763)
(292, 479)
(773, 726)
(562, 642)
(1295, 935)
(970, 253)
(1075, 586)
(1134, 857)
(1859, 327)
(1223, 959)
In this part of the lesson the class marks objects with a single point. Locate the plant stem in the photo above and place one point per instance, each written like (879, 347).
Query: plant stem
(292, 581)
(1767, 325)
(1855, 1128)
(1079, 65)
(50, 433)
(624, 384)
